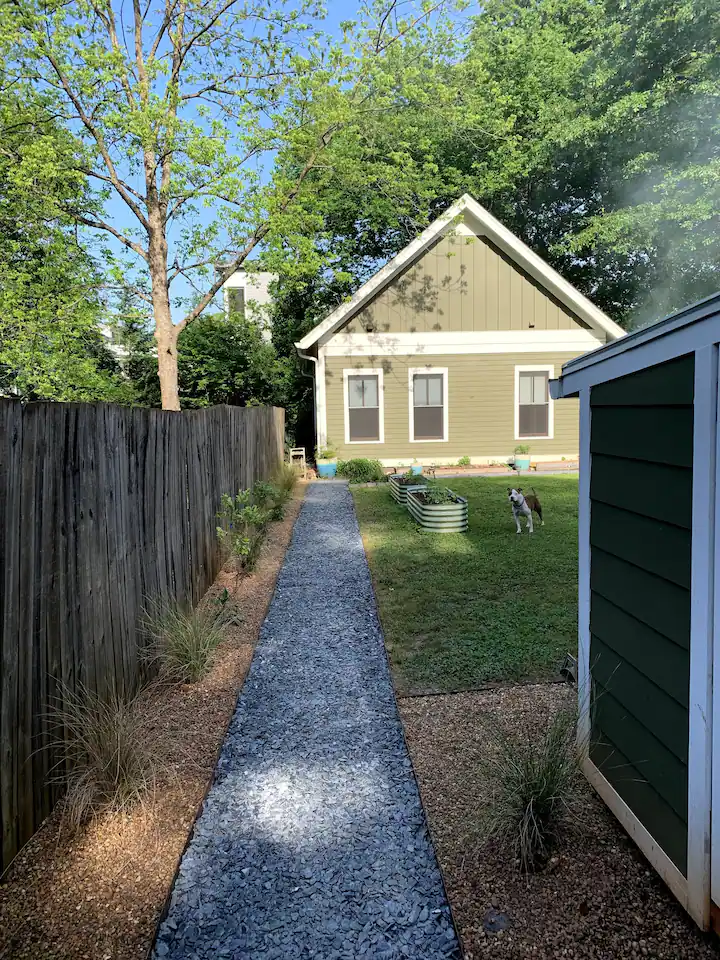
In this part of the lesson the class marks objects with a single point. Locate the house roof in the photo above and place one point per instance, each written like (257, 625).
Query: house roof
(486, 225)
(681, 332)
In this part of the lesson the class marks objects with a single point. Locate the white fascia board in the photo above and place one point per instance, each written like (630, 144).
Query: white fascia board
(441, 343)
(486, 225)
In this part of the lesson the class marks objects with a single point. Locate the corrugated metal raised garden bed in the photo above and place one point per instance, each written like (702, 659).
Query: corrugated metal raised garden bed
(449, 516)
(401, 484)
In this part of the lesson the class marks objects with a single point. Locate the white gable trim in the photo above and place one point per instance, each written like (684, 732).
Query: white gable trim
(485, 225)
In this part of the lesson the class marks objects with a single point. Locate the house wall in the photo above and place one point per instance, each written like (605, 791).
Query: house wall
(641, 444)
(481, 407)
(463, 283)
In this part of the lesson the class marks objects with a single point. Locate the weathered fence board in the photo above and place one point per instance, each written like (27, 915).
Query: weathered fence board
(101, 508)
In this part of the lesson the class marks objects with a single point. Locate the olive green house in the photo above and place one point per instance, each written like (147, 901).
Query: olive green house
(649, 591)
(448, 350)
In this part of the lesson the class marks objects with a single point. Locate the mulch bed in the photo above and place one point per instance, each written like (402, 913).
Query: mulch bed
(598, 898)
(99, 894)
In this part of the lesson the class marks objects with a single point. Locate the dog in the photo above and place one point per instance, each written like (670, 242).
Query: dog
(523, 505)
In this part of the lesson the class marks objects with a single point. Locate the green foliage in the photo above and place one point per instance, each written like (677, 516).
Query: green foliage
(286, 479)
(532, 785)
(361, 470)
(328, 452)
(435, 494)
(410, 479)
(242, 528)
(51, 345)
(104, 762)
(449, 620)
(464, 462)
(181, 640)
(522, 450)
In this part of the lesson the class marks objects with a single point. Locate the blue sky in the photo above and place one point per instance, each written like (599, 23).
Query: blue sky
(338, 10)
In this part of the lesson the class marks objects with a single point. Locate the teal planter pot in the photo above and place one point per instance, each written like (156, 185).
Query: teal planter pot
(326, 469)
(416, 469)
(522, 463)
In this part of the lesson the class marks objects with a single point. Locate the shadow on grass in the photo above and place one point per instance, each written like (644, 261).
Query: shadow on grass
(460, 610)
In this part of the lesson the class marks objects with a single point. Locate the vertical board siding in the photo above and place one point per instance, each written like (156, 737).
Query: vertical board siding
(101, 507)
(463, 283)
(641, 441)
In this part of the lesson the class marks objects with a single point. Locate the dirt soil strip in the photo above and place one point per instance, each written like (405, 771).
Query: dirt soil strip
(598, 898)
(99, 895)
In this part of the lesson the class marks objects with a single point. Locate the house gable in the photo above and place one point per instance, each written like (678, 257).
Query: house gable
(463, 282)
(525, 286)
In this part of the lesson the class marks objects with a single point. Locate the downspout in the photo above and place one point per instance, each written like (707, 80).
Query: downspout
(313, 376)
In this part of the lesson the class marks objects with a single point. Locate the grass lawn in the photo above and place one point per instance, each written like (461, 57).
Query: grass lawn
(459, 610)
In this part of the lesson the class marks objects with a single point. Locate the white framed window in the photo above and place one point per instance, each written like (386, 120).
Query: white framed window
(534, 419)
(364, 406)
(428, 404)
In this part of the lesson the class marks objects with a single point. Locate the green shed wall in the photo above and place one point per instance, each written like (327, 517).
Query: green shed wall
(641, 443)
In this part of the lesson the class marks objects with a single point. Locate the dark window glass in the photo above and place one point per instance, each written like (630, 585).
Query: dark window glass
(428, 412)
(534, 404)
(364, 408)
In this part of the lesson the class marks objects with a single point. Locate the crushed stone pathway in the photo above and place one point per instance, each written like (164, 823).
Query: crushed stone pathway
(312, 841)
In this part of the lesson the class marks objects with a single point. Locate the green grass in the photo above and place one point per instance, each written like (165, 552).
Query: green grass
(459, 610)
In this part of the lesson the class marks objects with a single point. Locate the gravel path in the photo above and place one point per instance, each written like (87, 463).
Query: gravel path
(312, 841)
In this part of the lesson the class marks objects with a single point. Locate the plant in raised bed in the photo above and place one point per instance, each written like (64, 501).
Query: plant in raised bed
(403, 483)
(437, 508)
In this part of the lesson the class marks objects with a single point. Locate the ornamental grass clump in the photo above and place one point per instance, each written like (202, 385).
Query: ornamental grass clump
(180, 641)
(104, 763)
(532, 788)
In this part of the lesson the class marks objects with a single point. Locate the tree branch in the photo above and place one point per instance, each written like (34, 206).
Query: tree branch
(102, 225)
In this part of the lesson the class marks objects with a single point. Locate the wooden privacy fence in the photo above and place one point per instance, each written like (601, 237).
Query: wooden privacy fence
(101, 507)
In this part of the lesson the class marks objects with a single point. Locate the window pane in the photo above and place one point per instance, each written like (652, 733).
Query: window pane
(371, 391)
(428, 423)
(355, 391)
(540, 388)
(420, 391)
(434, 387)
(364, 423)
(526, 388)
(533, 420)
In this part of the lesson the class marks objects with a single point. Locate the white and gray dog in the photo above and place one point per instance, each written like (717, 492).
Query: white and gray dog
(523, 506)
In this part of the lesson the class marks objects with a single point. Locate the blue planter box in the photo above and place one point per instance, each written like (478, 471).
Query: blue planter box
(522, 463)
(416, 469)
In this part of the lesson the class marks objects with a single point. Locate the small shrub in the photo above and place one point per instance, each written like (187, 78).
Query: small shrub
(532, 788)
(181, 642)
(104, 763)
(464, 462)
(521, 450)
(242, 528)
(361, 470)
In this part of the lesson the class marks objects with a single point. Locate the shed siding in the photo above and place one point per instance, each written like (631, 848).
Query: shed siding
(640, 542)
(481, 407)
(463, 284)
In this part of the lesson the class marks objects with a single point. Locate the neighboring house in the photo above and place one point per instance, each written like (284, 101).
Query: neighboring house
(249, 294)
(447, 351)
(649, 591)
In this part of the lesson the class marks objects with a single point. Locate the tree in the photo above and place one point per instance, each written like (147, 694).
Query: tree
(51, 345)
(188, 107)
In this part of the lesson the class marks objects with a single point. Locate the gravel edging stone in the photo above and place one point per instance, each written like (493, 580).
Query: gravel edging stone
(312, 841)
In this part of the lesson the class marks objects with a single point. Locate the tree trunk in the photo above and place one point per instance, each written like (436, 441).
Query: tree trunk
(165, 333)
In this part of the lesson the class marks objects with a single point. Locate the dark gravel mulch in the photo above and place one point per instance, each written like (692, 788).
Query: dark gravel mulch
(598, 897)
